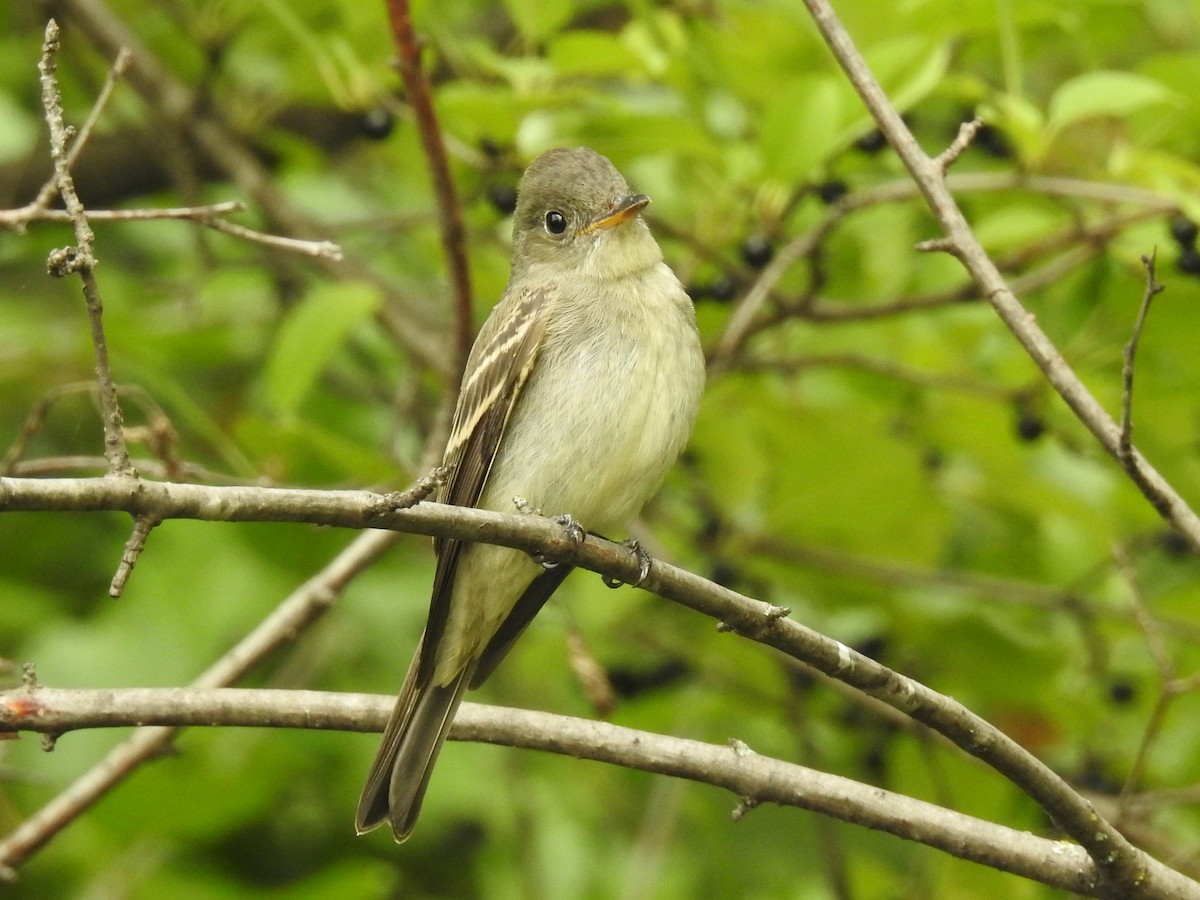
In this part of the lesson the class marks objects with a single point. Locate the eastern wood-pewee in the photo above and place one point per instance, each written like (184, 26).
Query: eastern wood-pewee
(578, 395)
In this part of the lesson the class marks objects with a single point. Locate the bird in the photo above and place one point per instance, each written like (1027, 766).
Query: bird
(578, 395)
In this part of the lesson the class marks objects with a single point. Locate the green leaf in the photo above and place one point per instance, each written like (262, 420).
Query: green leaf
(596, 53)
(909, 68)
(1022, 122)
(1112, 94)
(310, 335)
(538, 19)
(800, 127)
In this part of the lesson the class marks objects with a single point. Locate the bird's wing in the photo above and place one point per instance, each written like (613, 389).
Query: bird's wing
(500, 364)
(522, 614)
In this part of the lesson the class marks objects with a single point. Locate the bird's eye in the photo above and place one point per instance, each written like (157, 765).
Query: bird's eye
(556, 222)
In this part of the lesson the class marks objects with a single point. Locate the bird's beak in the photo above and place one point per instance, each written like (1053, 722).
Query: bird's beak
(624, 210)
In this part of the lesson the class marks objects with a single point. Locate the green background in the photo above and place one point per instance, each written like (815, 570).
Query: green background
(904, 481)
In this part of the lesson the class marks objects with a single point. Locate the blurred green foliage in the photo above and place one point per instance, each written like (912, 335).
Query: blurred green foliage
(869, 471)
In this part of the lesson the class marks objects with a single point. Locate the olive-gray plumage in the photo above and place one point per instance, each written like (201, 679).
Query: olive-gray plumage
(578, 395)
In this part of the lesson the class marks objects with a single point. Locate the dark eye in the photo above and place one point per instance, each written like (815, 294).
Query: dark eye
(556, 222)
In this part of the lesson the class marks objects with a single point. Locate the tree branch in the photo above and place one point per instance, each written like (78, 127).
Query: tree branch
(81, 259)
(1121, 863)
(929, 176)
(173, 102)
(1125, 442)
(752, 778)
(750, 618)
(454, 241)
(288, 620)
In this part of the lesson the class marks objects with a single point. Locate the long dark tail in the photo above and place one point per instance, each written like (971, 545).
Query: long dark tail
(411, 741)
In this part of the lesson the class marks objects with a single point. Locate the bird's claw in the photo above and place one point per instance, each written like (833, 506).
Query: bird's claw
(644, 562)
(574, 531)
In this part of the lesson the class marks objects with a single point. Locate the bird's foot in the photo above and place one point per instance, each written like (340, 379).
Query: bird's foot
(644, 561)
(574, 531)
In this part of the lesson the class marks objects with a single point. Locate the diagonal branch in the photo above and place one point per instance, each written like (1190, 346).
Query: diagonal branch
(1121, 864)
(736, 612)
(930, 178)
(279, 628)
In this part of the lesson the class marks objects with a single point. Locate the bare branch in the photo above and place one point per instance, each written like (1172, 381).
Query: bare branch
(966, 134)
(169, 98)
(37, 208)
(752, 778)
(81, 259)
(16, 218)
(747, 617)
(319, 249)
(933, 186)
(279, 628)
(1122, 866)
(1153, 289)
(142, 526)
(209, 216)
(746, 316)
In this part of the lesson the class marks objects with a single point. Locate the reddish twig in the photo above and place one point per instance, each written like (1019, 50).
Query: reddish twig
(454, 241)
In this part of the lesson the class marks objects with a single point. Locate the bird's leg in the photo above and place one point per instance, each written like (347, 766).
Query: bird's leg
(644, 561)
(575, 532)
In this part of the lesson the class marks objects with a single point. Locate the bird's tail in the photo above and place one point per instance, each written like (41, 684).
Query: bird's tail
(411, 741)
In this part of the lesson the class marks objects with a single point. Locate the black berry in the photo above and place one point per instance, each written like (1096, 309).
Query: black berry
(994, 142)
(871, 142)
(757, 251)
(832, 191)
(377, 123)
(1121, 692)
(1184, 231)
(1030, 426)
(1189, 261)
(723, 288)
(503, 197)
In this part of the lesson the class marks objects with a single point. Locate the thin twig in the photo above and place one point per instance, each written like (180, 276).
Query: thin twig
(142, 526)
(17, 218)
(319, 249)
(81, 259)
(1153, 289)
(207, 215)
(46, 194)
(966, 134)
